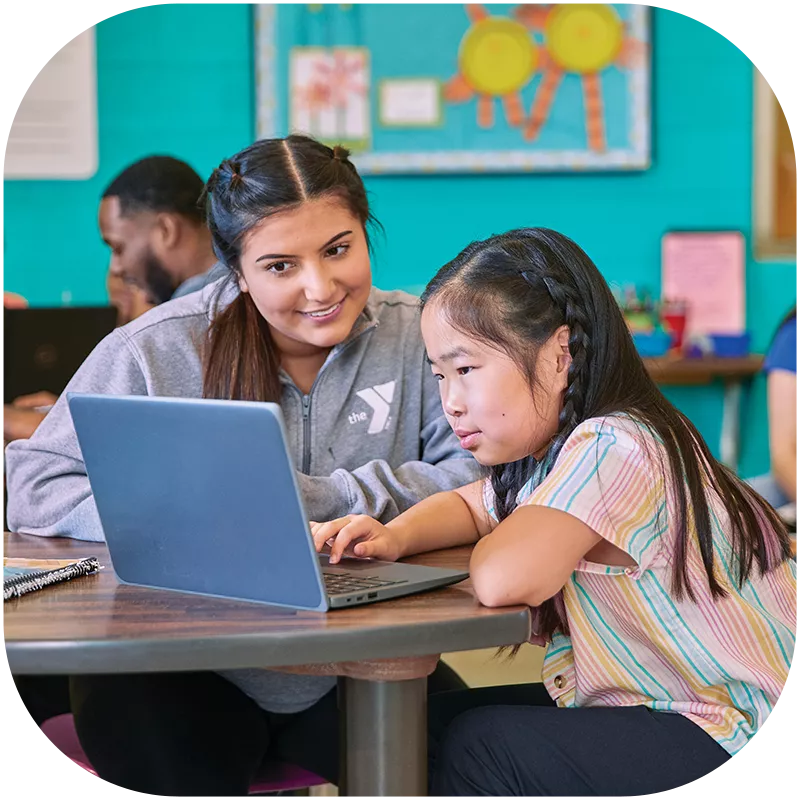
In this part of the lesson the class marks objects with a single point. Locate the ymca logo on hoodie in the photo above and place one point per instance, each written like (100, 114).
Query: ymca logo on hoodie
(379, 399)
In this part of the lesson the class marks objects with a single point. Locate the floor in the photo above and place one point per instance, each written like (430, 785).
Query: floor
(487, 668)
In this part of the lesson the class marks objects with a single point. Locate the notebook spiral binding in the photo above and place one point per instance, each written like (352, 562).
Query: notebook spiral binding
(22, 584)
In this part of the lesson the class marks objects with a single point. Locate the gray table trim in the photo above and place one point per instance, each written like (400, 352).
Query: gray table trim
(43, 657)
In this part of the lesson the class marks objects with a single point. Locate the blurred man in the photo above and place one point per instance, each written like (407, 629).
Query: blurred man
(151, 218)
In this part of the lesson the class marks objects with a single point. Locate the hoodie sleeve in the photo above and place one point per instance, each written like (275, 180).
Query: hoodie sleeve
(47, 486)
(383, 492)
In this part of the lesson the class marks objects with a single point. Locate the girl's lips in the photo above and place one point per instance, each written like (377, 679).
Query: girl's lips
(334, 312)
(468, 440)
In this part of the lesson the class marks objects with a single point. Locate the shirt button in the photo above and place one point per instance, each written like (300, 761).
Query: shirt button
(559, 681)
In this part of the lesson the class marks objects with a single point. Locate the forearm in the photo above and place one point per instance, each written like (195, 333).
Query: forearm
(380, 491)
(529, 556)
(440, 521)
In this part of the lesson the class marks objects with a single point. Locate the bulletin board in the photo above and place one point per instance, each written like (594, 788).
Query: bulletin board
(460, 88)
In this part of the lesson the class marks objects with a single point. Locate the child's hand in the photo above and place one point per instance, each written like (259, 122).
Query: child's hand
(368, 538)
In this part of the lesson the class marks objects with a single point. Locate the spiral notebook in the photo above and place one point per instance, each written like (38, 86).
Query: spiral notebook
(23, 575)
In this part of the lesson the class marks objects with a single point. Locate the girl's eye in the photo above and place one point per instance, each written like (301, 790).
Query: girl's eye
(337, 250)
(464, 370)
(279, 267)
(438, 376)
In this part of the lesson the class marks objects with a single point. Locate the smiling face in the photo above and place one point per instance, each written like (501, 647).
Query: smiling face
(308, 273)
(486, 397)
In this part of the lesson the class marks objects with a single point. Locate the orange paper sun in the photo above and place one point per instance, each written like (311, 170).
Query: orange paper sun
(582, 39)
(496, 58)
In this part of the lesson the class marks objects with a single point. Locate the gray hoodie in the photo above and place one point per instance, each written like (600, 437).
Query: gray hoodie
(198, 282)
(369, 438)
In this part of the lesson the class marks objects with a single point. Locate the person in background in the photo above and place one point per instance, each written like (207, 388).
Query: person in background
(779, 486)
(151, 219)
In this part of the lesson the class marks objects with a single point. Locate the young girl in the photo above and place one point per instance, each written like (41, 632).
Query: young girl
(297, 323)
(660, 582)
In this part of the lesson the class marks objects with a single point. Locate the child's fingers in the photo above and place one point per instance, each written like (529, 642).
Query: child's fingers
(369, 549)
(359, 527)
(322, 531)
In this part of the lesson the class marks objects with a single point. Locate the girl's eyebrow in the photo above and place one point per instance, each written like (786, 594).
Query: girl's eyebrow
(449, 356)
(289, 255)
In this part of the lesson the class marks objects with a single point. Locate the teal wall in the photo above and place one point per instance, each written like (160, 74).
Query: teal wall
(179, 79)
(173, 79)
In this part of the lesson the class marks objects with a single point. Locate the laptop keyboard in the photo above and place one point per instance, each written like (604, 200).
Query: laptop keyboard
(338, 583)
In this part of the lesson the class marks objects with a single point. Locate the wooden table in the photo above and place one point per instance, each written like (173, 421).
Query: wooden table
(733, 372)
(382, 652)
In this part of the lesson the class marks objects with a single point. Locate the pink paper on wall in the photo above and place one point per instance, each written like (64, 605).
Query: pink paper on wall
(707, 271)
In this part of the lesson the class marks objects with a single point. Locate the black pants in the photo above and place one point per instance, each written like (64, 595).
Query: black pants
(514, 741)
(198, 734)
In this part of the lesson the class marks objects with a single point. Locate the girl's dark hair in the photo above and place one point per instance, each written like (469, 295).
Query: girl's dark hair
(514, 291)
(270, 176)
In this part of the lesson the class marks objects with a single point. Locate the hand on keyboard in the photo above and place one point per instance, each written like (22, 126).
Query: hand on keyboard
(358, 535)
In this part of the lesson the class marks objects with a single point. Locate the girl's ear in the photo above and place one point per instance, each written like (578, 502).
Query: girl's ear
(564, 359)
(243, 284)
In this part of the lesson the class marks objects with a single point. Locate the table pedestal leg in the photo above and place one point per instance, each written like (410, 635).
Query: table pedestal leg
(384, 737)
(731, 415)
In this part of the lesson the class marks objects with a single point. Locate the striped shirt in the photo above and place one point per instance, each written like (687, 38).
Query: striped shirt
(722, 663)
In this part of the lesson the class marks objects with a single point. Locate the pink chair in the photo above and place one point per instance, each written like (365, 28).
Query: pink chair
(275, 776)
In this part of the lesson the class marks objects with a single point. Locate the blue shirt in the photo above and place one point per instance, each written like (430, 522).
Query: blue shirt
(783, 352)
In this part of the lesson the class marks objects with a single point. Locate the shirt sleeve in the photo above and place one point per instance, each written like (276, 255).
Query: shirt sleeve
(607, 477)
(783, 352)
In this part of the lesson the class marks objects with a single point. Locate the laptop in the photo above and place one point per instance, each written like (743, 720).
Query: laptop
(44, 347)
(200, 496)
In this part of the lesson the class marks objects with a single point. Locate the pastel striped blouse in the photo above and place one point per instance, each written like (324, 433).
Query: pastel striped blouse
(720, 663)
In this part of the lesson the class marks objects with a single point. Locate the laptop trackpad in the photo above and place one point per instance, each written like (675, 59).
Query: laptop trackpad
(348, 564)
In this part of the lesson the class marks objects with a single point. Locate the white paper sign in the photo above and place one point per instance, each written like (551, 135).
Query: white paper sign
(412, 103)
(54, 134)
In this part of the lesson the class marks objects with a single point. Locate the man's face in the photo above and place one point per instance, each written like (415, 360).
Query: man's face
(133, 258)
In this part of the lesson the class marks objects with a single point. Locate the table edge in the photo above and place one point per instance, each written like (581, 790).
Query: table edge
(235, 651)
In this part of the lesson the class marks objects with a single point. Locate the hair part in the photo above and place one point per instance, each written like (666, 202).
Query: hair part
(514, 291)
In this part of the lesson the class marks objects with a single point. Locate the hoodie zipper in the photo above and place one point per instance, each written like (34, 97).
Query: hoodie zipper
(306, 433)
(306, 400)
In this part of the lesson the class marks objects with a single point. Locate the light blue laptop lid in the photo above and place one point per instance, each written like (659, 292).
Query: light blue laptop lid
(199, 496)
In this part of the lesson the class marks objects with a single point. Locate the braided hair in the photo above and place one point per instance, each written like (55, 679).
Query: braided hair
(514, 291)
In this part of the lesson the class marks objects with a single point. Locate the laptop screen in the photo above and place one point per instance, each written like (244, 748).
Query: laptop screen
(44, 347)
